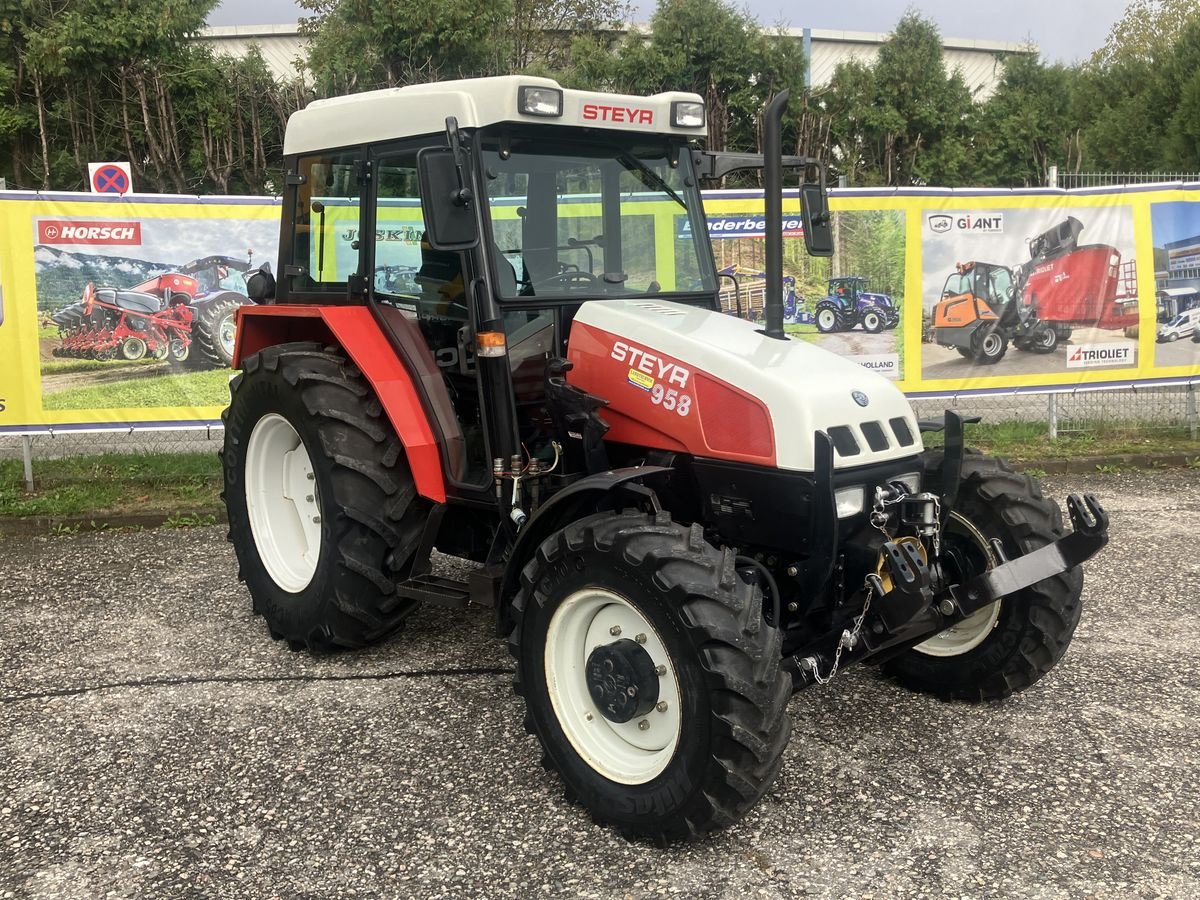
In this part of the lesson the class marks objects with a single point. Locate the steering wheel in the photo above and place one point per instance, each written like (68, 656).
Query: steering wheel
(569, 279)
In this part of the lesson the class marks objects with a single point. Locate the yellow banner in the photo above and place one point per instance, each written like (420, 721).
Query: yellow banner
(118, 312)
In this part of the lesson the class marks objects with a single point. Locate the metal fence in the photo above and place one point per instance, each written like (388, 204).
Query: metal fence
(1149, 410)
(1071, 180)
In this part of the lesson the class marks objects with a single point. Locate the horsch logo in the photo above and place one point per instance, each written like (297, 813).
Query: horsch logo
(62, 231)
(1087, 355)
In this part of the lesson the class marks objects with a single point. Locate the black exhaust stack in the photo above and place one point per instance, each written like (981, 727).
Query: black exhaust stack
(773, 210)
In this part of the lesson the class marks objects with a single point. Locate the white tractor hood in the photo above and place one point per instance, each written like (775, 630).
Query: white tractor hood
(738, 384)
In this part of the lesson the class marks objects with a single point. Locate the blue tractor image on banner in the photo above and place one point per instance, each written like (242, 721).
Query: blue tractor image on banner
(850, 304)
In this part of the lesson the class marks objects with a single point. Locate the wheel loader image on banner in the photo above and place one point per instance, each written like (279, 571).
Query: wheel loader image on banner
(185, 316)
(680, 518)
(986, 307)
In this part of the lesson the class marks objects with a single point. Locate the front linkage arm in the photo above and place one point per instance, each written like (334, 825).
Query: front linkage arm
(910, 612)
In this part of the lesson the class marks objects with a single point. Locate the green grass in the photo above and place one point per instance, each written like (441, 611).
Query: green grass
(1030, 440)
(185, 389)
(179, 483)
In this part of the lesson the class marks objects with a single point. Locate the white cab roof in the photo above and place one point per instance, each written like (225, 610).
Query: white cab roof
(422, 109)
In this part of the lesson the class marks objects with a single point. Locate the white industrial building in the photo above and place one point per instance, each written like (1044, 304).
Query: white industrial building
(980, 61)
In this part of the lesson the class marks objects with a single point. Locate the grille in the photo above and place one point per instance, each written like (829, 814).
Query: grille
(903, 433)
(876, 439)
(843, 441)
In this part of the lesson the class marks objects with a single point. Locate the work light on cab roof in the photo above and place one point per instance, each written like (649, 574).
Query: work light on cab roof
(497, 333)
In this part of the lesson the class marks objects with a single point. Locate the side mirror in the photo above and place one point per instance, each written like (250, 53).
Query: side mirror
(260, 285)
(814, 213)
(447, 206)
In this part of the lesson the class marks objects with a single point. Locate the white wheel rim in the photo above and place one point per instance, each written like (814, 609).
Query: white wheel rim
(826, 318)
(133, 348)
(973, 630)
(282, 503)
(872, 320)
(627, 753)
(227, 333)
(991, 344)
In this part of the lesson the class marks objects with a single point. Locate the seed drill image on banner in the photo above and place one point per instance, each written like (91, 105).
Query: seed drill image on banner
(849, 304)
(1028, 291)
(1176, 231)
(140, 312)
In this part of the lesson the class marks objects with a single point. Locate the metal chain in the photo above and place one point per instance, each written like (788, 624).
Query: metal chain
(848, 641)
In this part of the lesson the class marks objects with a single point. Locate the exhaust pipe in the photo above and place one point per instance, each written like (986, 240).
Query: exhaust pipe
(773, 214)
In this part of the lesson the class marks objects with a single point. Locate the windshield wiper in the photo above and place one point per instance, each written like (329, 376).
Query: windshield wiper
(650, 178)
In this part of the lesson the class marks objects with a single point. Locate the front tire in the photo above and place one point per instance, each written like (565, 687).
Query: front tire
(703, 759)
(872, 322)
(989, 347)
(1009, 645)
(323, 514)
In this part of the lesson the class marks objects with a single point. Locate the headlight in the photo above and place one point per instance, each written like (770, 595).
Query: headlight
(849, 501)
(540, 101)
(687, 114)
(911, 480)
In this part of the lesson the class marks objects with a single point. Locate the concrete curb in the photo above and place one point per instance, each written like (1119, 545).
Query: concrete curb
(216, 516)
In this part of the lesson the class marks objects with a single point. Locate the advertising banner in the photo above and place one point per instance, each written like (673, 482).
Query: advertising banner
(118, 312)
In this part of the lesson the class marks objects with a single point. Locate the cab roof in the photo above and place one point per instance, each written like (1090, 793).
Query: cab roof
(419, 109)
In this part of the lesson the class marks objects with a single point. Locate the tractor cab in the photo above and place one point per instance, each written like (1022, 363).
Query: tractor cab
(988, 283)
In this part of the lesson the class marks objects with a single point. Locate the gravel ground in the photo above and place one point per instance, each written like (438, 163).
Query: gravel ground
(155, 743)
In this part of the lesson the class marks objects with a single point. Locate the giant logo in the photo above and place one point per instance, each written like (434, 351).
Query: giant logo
(64, 231)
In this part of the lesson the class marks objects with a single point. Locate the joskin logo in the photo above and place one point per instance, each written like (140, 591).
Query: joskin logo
(940, 223)
(1089, 355)
(61, 231)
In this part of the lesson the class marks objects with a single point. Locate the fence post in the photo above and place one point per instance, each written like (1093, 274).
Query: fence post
(1193, 420)
(27, 455)
(1052, 177)
(1052, 415)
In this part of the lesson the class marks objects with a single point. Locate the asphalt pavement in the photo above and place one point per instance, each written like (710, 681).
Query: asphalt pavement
(154, 742)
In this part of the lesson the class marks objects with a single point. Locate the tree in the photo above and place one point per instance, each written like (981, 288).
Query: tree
(1146, 30)
(904, 120)
(1029, 124)
(363, 44)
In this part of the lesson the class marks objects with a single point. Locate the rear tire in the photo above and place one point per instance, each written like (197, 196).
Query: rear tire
(213, 332)
(325, 585)
(725, 735)
(828, 320)
(995, 655)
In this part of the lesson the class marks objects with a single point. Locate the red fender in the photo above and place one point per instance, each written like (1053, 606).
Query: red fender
(355, 330)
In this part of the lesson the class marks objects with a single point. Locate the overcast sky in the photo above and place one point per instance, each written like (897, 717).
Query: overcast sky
(1065, 32)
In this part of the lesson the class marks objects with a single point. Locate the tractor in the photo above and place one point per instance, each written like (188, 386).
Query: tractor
(850, 304)
(183, 316)
(678, 518)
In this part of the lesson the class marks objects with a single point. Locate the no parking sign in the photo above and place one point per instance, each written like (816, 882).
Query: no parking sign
(110, 178)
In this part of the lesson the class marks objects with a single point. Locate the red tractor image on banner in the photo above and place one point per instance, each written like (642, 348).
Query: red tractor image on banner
(985, 306)
(185, 316)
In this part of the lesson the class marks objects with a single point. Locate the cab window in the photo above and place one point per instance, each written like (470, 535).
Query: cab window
(325, 222)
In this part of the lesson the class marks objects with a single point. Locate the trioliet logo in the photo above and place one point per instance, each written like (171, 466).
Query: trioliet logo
(1087, 355)
(62, 231)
